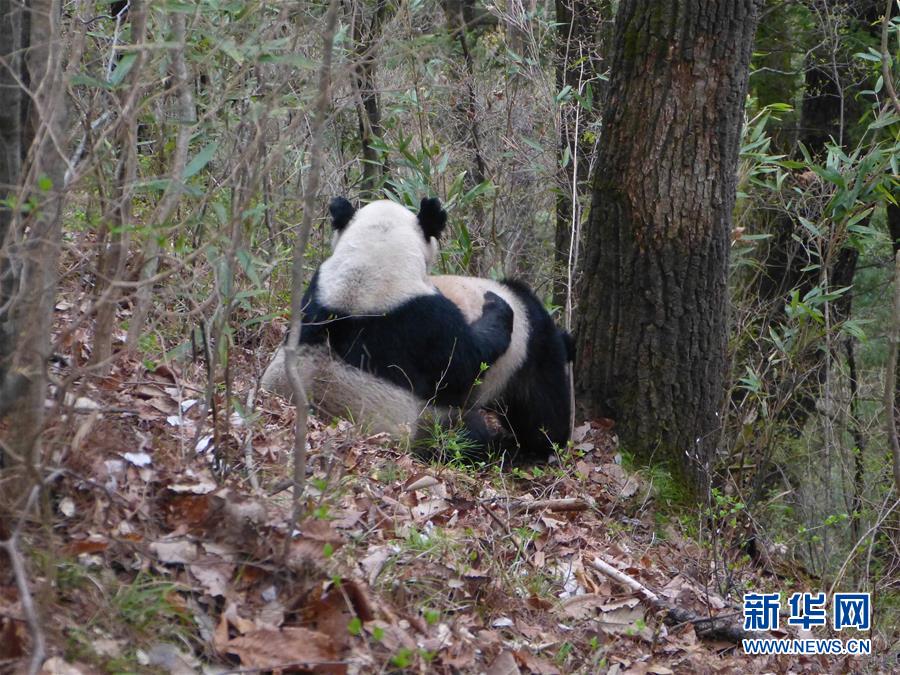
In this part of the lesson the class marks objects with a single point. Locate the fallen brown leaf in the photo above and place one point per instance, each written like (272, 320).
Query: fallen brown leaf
(504, 664)
(12, 638)
(87, 546)
(374, 562)
(176, 552)
(535, 664)
(214, 574)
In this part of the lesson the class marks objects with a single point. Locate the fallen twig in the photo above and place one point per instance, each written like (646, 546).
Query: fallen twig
(249, 464)
(711, 628)
(11, 546)
(566, 504)
(495, 517)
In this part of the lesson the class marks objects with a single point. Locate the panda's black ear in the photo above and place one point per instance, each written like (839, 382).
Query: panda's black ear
(432, 217)
(341, 212)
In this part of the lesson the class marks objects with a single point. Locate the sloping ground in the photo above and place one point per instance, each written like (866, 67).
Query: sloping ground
(158, 554)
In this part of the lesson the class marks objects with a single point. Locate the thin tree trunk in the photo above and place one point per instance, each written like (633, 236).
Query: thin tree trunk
(10, 120)
(827, 115)
(37, 250)
(460, 20)
(10, 168)
(890, 400)
(186, 118)
(298, 268)
(479, 171)
(461, 23)
(774, 80)
(820, 114)
(577, 65)
(112, 260)
(652, 325)
(859, 439)
(366, 36)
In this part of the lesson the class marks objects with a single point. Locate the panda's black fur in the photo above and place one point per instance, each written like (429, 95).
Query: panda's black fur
(424, 344)
(530, 393)
(535, 403)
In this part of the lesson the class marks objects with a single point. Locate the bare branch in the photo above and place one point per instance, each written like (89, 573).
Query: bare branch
(890, 378)
(718, 627)
(11, 546)
(886, 59)
(298, 273)
(186, 119)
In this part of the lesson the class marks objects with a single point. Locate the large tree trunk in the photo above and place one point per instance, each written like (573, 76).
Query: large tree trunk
(652, 322)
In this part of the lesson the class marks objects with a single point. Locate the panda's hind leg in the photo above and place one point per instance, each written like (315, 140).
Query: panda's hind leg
(538, 425)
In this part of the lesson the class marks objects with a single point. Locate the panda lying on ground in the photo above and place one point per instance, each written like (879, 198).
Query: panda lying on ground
(387, 345)
(528, 387)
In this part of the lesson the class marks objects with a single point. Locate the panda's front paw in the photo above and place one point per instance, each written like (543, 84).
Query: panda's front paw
(499, 311)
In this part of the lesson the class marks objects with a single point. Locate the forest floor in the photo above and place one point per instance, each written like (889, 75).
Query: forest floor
(159, 553)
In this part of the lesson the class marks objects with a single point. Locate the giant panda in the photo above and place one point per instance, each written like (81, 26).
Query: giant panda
(528, 386)
(379, 343)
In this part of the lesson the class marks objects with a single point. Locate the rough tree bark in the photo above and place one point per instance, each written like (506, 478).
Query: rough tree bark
(652, 327)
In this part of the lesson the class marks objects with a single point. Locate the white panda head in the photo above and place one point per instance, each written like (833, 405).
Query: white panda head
(380, 255)
(384, 221)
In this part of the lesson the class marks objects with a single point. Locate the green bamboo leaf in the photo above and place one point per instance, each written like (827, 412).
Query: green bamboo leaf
(200, 160)
(122, 68)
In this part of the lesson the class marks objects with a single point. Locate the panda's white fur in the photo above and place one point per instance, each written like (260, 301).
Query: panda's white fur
(465, 293)
(380, 260)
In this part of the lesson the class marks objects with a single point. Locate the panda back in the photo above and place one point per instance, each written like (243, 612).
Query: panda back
(467, 293)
